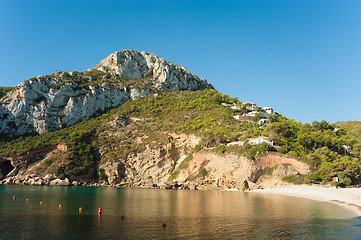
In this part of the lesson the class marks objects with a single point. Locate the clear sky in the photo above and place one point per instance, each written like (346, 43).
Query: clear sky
(301, 57)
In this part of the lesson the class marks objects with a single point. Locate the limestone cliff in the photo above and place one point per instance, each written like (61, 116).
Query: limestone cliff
(48, 103)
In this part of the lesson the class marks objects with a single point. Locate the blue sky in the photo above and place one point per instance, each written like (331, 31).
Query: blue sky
(302, 57)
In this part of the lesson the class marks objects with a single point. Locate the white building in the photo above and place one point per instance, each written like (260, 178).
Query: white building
(251, 106)
(235, 107)
(239, 143)
(268, 110)
(264, 121)
(232, 106)
(260, 140)
(254, 113)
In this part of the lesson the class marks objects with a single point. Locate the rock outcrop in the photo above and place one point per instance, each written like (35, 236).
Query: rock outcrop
(207, 170)
(154, 165)
(48, 103)
(167, 76)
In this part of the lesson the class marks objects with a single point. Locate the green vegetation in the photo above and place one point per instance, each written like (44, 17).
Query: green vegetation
(83, 80)
(249, 150)
(183, 165)
(296, 179)
(82, 158)
(102, 175)
(269, 170)
(48, 162)
(330, 151)
(202, 173)
(5, 90)
(174, 175)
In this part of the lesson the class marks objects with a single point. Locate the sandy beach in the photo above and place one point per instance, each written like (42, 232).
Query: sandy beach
(346, 197)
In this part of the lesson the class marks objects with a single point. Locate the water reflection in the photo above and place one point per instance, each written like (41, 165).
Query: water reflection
(188, 214)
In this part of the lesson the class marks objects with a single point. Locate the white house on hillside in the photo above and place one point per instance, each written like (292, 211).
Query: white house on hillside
(239, 143)
(253, 113)
(260, 140)
(232, 106)
(251, 107)
(268, 110)
(235, 107)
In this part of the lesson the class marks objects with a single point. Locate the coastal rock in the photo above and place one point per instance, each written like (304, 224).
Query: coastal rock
(170, 184)
(49, 177)
(39, 182)
(245, 186)
(59, 182)
(75, 183)
(17, 182)
(9, 180)
(48, 103)
(30, 181)
(54, 182)
(114, 171)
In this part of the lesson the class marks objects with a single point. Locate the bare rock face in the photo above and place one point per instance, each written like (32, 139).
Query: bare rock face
(114, 171)
(167, 76)
(284, 170)
(48, 103)
(228, 171)
(153, 166)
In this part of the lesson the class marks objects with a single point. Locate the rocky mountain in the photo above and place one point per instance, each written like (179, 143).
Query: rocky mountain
(170, 139)
(125, 122)
(48, 103)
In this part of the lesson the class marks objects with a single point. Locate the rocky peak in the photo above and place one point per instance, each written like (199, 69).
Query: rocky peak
(168, 76)
(129, 63)
(48, 103)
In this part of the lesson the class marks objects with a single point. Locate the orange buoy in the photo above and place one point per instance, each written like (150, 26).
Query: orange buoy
(80, 210)
(100, 211)
(41, 203)
(27, 200)
(60, 206)
(14, 197)
(164, 224)
(122, 216)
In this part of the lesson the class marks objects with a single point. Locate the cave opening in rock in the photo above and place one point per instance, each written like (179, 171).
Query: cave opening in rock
(5, 168)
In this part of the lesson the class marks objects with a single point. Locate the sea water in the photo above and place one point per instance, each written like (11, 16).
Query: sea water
(187, 214)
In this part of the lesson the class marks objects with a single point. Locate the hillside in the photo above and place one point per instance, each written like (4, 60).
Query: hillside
(352, 128)
(183, 136)
(137, 120)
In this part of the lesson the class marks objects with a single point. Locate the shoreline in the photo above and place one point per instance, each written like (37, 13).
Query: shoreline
(349, 198)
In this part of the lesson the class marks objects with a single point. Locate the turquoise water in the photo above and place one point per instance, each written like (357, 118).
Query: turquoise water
(188, 215)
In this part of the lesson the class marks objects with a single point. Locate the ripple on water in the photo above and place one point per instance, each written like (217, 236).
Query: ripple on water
(188, 215)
